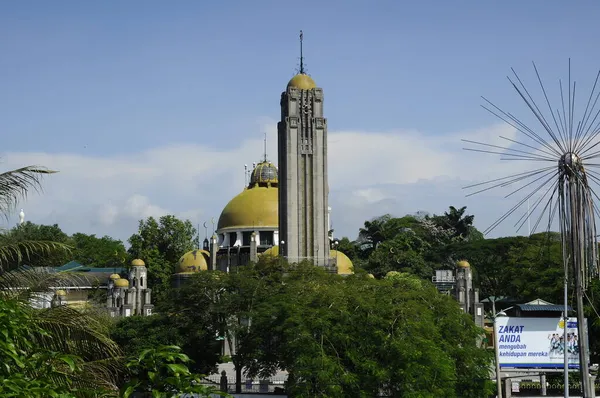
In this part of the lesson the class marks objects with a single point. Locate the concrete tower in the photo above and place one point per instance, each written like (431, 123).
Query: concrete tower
(303, 185)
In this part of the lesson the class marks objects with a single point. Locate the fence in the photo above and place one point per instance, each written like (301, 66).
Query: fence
(273, 385)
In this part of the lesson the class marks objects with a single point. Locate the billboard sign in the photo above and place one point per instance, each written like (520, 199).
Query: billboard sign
(537, 342)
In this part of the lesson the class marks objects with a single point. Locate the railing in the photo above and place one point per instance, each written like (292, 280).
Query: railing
(273, 385)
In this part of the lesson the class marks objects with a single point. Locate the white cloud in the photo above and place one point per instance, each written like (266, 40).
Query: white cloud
(370, 173)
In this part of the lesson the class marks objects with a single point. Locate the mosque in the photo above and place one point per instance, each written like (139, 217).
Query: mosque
(281, 212)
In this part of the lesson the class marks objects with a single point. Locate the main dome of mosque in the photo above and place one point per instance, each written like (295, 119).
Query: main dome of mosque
(257, 205)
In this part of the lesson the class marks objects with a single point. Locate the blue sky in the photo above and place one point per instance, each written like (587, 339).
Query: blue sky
(87, 85)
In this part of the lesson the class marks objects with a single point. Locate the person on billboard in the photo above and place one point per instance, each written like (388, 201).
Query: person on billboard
(556, 344)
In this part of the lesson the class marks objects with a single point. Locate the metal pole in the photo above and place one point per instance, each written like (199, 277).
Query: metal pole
(528, 219)
(497, 354)
(577, 245)
(566, 352)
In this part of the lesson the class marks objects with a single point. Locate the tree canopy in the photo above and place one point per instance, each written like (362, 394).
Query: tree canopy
(160, 243)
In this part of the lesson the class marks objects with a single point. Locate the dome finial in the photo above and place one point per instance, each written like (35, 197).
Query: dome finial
(301, 55)
(265, 146)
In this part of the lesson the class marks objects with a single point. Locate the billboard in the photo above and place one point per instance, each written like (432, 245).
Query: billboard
(536, 342)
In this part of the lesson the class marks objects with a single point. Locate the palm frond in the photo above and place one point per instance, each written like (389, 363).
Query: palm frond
(37, 284)
(15, 184)
(80, 333)
(11, 252)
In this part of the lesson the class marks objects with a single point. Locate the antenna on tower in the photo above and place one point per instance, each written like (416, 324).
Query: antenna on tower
(198, 237)
(265, 146)
(301, 55)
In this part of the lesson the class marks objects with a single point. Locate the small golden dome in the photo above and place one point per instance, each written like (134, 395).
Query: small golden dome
(302, 82)
(114, 277)
(371, 276)
(61, 293)
(254, 207)
(463, 264)
(138, 263)
(265, 173)
(193, 261)
(121, 282)
(344, 264)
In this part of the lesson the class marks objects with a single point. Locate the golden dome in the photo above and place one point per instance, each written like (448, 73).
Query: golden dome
(371, 276)
(463, 264)
(344, 264)
(264, 173)
(193, 261)
(114, 277)
(254, 207)
(302, 81)
(272, 251)
(138, 263)
(61, 293)
(121, 282)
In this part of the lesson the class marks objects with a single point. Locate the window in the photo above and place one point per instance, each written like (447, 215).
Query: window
(266, 238)
(232, 238)
(246, 238)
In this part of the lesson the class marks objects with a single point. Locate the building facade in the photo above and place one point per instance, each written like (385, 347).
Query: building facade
(304, 189)
(459, 283)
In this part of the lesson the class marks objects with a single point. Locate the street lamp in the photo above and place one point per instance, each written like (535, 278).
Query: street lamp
(497, 354)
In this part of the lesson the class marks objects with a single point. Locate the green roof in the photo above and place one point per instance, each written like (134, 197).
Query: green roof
(74, 266)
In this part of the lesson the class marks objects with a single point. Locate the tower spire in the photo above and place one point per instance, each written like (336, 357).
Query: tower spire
(301, 55)
(265, 146)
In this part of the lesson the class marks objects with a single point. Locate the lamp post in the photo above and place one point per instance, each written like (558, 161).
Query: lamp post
(497, 354)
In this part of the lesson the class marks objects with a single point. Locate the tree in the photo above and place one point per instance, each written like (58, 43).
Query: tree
(160, 244)
(50, 337)
(456, 221)
(98, 252)
(162, 372)
(137, 333)
(30, 232)
(306, 324)
(53, 352)
(402, 253)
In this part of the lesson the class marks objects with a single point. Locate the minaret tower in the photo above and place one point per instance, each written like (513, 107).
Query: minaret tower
(303, 185)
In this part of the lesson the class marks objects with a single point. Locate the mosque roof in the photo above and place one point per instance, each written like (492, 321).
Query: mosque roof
(193, 261)
(302, 81)
(254, 207)
(263, 174)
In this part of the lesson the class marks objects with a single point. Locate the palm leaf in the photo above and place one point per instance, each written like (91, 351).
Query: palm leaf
(11, 252)
(27, 284)
(70, 331)
(15, 184)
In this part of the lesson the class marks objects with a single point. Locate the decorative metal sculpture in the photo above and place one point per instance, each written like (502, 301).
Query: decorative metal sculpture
(563, 186)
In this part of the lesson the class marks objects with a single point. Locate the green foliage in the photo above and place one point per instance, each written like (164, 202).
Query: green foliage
(336, 336)
(33, 363)
(46, 246)
(137, 333)
(162, 372)
(403, 253)
(198, 312)
(160, 244)
(307, 324)
(28, 232)
(98, 252)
